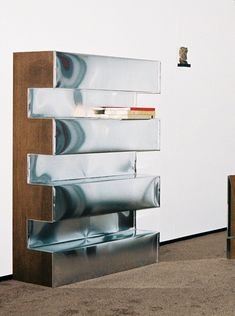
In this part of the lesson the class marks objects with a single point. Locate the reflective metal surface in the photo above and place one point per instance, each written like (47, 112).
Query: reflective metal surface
(41, 233)
(105, 195)
(80, 260)
(96, 191)
(59, 103)
(107, 73)
(45, 169)
(84, 135)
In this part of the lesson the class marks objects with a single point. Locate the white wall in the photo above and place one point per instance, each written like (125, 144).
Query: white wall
(197, 105)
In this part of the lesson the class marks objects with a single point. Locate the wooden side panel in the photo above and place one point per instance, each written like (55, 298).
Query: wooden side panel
(231, 206)
(231, 248)
(33, 69)
(231, 218)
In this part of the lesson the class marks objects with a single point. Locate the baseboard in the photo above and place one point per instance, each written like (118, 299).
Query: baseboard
(6, 277)
(193, 236)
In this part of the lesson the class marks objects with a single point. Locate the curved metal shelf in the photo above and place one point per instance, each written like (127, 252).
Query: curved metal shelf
(106, 73)
(96, 196)
(42, 233)
(47, 169)
(71, 103)
(79, 260)
(86, 135)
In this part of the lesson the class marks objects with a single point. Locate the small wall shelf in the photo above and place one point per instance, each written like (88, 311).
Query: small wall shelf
(76, 187)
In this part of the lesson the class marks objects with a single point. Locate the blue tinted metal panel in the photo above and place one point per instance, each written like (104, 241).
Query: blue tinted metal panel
(105, 195)
(97, 196)
(46, 169)
(107, 73)
(50, 234)
(86, 135)
(94, 257)
(104, 258)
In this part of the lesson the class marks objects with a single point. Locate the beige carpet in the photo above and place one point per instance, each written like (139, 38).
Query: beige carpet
(193, 277)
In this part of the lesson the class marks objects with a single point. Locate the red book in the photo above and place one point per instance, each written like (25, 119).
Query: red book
(141, 109)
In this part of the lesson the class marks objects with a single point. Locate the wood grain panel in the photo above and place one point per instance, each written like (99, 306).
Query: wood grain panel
(231, 205)
(231, 217)
(34, 69)
(231, 248)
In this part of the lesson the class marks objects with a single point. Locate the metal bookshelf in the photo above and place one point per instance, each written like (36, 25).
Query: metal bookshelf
(76, 183)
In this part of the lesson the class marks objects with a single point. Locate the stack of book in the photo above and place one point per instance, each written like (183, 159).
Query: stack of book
(129, 112)
(123, 113)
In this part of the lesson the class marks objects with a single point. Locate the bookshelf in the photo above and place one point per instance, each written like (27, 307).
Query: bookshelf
(231, 218)
(76, 187)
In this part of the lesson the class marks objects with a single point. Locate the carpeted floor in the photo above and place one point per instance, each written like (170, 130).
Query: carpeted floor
(193, 277)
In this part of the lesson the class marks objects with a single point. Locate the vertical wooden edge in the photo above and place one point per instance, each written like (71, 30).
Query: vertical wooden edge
(229, 202)
(231, 248)
(231, 218)
(231, 205)
(30, 69)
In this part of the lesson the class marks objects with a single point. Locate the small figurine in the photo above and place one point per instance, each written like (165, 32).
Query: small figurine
(183, 57)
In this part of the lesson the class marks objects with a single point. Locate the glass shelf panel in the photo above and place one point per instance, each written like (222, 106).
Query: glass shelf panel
(106, 73)
(84, 135)
(45, 169)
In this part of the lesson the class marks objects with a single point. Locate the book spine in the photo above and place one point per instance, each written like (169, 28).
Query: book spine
(122, 108)
(137, 116)
(110, 112)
